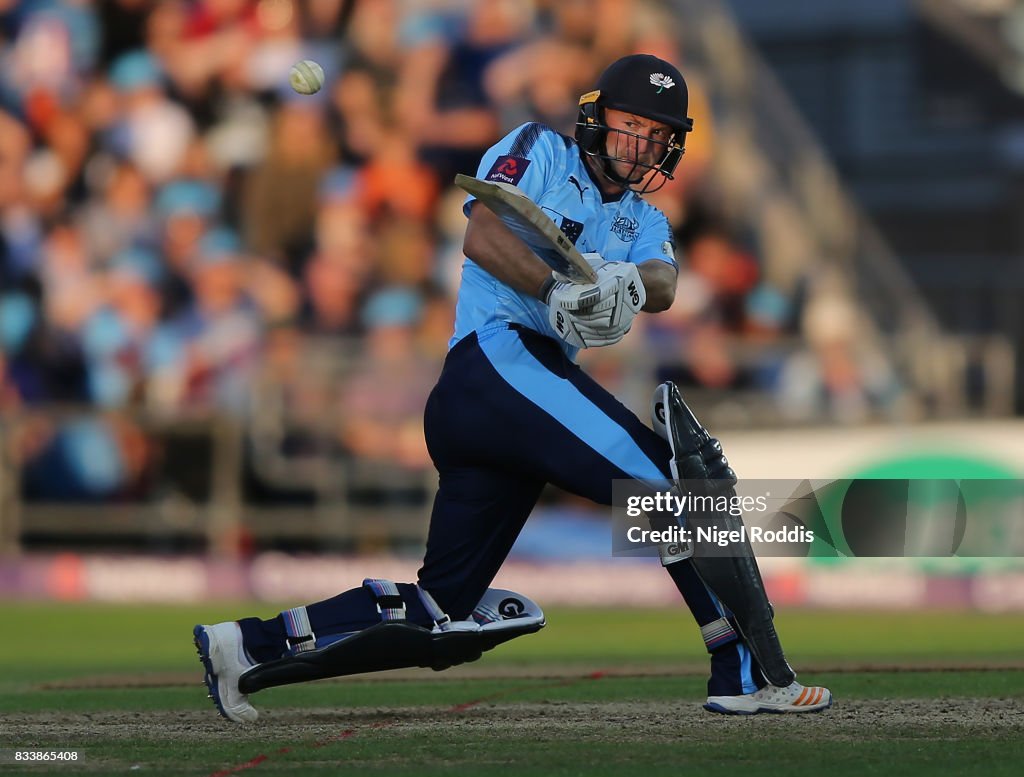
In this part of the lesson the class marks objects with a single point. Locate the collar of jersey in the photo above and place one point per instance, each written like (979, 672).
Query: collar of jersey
(605, 198)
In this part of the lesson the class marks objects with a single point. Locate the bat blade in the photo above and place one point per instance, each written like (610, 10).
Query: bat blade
(531, 225)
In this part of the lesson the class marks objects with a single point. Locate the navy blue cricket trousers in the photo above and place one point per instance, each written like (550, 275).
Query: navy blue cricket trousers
(509, 414)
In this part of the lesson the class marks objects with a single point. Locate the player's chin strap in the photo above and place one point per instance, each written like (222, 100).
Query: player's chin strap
(699, 467)
(394, 643)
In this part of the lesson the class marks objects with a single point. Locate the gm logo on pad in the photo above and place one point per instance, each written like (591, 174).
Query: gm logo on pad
(511, 608)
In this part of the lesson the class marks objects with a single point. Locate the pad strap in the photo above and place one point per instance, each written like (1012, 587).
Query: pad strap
(390, 604)
(718, 633)
(437, 615)
(300, 634)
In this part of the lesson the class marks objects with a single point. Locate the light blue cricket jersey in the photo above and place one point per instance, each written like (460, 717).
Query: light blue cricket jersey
(547, 166)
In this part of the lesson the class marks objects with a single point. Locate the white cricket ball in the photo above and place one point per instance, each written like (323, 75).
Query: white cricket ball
(306, 77)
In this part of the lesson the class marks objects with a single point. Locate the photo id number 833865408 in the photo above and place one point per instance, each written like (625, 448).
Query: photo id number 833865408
(38, 756)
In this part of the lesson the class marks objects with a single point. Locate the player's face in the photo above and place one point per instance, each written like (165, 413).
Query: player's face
(637, 141)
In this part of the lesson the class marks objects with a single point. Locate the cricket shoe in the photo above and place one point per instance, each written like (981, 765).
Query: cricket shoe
(793, 698)
(224, 659)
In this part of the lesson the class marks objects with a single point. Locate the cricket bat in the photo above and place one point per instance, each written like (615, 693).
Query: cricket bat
(531, 225)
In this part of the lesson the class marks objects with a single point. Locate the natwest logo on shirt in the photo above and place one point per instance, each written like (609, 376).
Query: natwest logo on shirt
(508, 169)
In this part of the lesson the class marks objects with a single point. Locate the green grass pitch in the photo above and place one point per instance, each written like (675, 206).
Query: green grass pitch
(596, 692)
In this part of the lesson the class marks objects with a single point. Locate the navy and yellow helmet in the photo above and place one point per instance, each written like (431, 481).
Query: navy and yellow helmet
(644, 85)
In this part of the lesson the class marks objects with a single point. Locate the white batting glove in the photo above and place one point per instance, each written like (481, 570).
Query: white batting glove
(601, 313)
(602, 335)
(564, 324)
(560, 282)
(584, 332)
(617, 282)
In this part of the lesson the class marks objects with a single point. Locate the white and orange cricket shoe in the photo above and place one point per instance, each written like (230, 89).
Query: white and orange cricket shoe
(793, 698)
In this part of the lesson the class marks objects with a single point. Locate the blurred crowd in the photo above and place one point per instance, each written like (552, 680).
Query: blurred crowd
(178, 227)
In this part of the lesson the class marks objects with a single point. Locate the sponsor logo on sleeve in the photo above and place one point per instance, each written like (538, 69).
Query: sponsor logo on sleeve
(508, 169)
(666, 248)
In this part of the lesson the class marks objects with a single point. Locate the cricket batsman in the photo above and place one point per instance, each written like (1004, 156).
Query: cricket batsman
(512, 412)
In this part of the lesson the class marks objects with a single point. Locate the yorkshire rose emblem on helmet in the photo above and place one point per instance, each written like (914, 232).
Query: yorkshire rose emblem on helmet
(662, 81)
